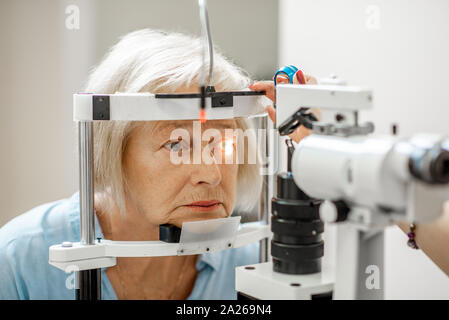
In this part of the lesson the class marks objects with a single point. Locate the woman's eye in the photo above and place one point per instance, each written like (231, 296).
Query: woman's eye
(175, 146)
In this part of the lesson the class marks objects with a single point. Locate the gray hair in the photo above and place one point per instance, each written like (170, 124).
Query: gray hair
(155, 62)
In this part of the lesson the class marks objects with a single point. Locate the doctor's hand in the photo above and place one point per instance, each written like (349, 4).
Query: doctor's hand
(268, 86)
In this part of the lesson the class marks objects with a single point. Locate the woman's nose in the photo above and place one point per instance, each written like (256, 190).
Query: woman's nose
(206, 174)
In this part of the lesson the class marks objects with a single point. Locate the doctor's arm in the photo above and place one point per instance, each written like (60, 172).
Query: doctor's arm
(433, 238)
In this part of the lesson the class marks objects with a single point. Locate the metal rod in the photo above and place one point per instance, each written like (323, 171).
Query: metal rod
(360, 265)
(89, 281)
(205, 30)
(87, 219)
(264, 209)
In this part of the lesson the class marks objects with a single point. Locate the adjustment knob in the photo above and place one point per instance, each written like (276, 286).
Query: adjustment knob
(334, 211)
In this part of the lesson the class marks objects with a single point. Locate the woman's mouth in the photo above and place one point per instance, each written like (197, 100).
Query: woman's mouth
(204, 205)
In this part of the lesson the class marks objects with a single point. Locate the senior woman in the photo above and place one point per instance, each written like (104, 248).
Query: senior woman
(138, 188)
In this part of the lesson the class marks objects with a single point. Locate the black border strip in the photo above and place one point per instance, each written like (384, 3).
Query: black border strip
(208, 94)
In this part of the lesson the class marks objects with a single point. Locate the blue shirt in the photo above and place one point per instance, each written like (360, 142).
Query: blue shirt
(26, 274)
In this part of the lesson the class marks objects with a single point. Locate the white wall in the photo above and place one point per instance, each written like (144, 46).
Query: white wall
(245, 30)
(42, 64)
(404, 57)
(30, 113)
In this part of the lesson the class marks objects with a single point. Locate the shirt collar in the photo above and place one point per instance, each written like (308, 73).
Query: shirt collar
(213, 260)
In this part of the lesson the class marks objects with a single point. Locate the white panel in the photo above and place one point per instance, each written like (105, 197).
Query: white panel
(261, 282)
(291, 97)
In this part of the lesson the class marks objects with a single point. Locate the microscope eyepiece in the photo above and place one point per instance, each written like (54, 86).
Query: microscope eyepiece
(439, 167)
(430, 165)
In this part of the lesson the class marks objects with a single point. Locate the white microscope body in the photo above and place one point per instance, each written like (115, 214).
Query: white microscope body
(375, 174)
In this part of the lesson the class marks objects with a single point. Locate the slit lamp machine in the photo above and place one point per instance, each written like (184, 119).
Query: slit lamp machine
(340, 174)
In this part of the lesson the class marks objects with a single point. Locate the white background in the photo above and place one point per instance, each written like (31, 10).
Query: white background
(404, 57)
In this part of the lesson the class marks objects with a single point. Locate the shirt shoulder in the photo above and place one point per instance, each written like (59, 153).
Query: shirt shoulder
(43, 219)
(24, 242)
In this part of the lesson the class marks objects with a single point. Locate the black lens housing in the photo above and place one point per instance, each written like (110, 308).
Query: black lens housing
(430, 165)
(297, 246)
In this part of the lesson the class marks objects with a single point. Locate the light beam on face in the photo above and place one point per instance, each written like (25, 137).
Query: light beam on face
(228, 147)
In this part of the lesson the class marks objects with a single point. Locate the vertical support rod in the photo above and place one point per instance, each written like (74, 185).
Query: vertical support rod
(86, 150)
(89, 281)
(360, 264)
(264, 209)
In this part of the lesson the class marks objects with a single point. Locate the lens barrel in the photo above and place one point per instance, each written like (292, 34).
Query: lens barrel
(430, 165)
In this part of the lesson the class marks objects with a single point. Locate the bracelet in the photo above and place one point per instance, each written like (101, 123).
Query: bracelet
(288, 71)
(411, 237)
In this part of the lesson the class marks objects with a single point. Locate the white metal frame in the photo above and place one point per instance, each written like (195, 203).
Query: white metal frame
(331, 99)
(146, 107)
(104, 252)
(88, 256)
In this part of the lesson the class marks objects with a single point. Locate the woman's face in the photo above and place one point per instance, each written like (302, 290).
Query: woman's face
(167, 192)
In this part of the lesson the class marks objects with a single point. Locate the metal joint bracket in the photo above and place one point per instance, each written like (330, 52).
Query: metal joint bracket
(100, 110)
(222, 100)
